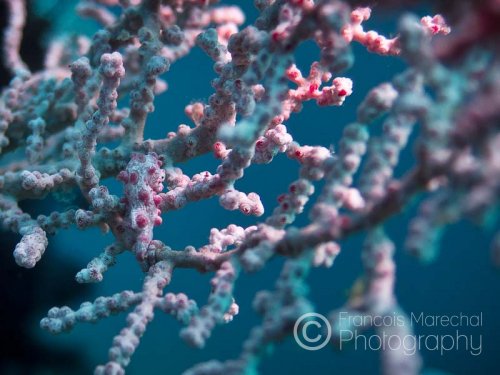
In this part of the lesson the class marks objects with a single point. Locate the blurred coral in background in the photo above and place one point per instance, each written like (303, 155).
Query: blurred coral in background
(75, 123)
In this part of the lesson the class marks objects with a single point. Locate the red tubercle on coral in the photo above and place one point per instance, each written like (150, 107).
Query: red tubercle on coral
(143, 196)
(219, 150)
(141, 221)
(158, 221)
(277, 36)
(123, 176)
(157, 200)
(293, 74)
(246, 210)
(133, 178)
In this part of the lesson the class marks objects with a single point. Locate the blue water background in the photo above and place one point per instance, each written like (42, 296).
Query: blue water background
(462, 278)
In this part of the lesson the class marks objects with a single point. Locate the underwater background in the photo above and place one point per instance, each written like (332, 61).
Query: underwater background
(462, 279)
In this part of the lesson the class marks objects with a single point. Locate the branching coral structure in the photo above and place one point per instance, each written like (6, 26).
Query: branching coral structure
(54, 123)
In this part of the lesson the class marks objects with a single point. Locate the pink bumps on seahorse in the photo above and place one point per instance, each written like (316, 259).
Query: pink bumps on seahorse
(143, 179)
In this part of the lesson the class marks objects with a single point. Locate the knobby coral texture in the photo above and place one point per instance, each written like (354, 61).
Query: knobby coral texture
(54, 122)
